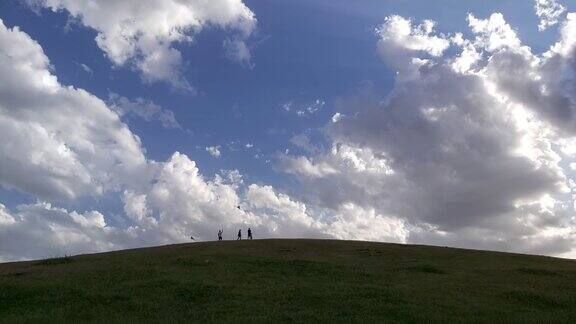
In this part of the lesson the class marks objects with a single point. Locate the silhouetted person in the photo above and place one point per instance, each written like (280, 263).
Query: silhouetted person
(249, 233)
(220, 232)
(239, 235)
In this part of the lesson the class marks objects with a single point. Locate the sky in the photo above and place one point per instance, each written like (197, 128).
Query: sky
(136, 123)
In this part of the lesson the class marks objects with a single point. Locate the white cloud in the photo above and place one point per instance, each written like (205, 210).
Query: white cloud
(549, 12)
(311, 108)
(280, 215)
(182, 202)
(304, 109)
(85, 68)
(236, 50)
(5, 217)
(304, 167)
(143, 108)
(336, 117)
(41, 230)
(63, 143)
(400, 33)
(142, 34)
(405, 46)
(565, 48)
(303, 142)
(175, 203)
(493, 33)
(214, 151)
(468, 150)
(58, 142)
(356, 223)
(471, 150)
(178, 202)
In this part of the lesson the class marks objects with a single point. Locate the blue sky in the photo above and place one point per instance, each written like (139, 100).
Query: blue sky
(302, 52)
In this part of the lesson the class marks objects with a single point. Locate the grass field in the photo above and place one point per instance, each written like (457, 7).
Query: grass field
(291, 281)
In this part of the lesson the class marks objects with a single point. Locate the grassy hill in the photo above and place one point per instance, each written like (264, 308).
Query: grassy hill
(291, 280)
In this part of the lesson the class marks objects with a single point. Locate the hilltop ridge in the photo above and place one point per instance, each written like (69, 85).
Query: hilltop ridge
(290, 280)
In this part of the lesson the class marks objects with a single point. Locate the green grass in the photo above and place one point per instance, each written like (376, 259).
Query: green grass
(56, 260)
(290, 281)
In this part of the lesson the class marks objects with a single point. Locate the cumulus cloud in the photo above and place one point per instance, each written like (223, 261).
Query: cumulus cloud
(303, 166)
(64, 143)
(493, 33)
(214, 151)
(41, 230)
(58, 142)
(142, 34)
(175, 203)
(181, 201)
(549, 12)
(352, 222)
(143, 108)
(336, 117)
(178, 202)
(470, 149)
(406, 46)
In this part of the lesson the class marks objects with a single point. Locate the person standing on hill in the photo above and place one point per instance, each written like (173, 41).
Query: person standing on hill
(239, 235)
(220, 232)
(249, 233)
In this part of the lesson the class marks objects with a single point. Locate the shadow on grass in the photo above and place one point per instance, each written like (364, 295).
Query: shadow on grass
(425, 268)
(56, 261)
(537, 272)
(192, 262)
(294, 267)
(533, 299)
